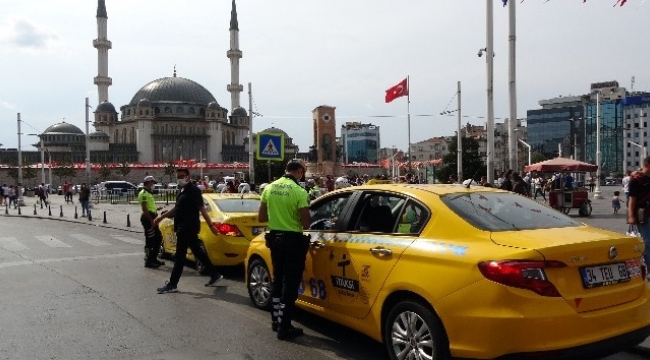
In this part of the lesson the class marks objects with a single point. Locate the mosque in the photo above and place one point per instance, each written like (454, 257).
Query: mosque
(168, 119)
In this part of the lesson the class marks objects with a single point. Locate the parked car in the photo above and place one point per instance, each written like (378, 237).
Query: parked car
(446, 271)
(116, 187)
(235, 215)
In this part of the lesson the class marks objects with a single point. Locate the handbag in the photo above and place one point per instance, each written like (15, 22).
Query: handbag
(633, 230)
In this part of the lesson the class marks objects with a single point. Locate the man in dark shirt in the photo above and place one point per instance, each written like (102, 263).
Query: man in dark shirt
(189, 203)
(638, 205)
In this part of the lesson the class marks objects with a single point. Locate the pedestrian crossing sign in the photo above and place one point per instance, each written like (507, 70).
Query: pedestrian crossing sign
(270, 146)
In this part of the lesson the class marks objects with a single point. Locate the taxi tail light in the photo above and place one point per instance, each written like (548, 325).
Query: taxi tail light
(523, 274)
(228, 229)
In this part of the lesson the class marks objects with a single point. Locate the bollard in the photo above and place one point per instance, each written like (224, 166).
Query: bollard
(19, 213)
(75, 213)
(128, 220)
(49, 210)
(105, 222)
(90, 217)
(61, 213)
(35, 209)
(6, 209)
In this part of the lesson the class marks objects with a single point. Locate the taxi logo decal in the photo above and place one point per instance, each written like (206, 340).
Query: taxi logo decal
(347, 287)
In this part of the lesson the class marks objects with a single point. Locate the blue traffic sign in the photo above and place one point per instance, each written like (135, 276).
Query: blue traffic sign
(270, 146)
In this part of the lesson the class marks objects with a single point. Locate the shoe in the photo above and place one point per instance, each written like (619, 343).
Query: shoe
(151, 265)
(290, 333)
(275, 326)
(160, 263)
(167, 289)
(214, 279)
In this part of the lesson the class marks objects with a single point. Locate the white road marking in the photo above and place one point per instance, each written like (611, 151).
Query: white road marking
(63, 259)
(12, 244)
(52, 241)
(89, 240)
(127, 239)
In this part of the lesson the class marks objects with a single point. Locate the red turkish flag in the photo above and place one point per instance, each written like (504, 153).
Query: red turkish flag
(399, 90)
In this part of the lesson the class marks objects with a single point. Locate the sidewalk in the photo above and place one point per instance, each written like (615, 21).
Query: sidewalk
(118, 216)
(112, 216)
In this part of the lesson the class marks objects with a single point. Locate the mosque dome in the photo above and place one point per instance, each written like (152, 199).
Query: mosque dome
(214, 106)
(105, 107)
(173, 90)
(275, 130)
(240, 111)
(63, 128)
(144, 103)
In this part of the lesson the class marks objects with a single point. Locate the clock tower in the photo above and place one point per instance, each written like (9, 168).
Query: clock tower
(325, 140)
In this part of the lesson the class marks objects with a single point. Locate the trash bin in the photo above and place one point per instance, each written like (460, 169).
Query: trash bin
(30, 193)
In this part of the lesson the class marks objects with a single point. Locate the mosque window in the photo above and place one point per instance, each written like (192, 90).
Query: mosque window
(166, 129)
(128, 112)
(179, 110)
(212, 115)
(202, 111)
(157, 110)
(140, 112)
(168, 110)
(146, 112)
(116, 136)
(192, 110)
(112, 118)
(103, 117)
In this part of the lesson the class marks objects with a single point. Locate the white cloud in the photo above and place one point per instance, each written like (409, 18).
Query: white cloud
(7, 105)
(23, 34)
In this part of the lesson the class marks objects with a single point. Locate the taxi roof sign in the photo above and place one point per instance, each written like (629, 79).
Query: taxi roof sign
(270, 146)
(378, 181)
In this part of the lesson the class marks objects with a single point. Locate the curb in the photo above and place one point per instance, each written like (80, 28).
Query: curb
(106, 226)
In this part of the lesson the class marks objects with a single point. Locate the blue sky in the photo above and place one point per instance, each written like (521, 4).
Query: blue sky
(302, 54)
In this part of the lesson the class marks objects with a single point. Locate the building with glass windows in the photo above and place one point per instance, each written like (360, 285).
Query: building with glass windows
(360, 142)
(558, 128)
(635, 133)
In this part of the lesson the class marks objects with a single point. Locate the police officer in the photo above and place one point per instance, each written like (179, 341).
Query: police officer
(189, 203)
(153, 237)
(285, 207)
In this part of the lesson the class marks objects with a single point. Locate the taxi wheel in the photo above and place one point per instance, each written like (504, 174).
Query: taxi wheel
(200, 266)
(413, 331)
(259, 284)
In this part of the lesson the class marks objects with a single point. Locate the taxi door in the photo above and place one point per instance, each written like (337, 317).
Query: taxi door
(327, 214)
(359, 265)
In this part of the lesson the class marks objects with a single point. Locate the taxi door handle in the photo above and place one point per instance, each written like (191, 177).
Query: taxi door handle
(381, 251)
(316, 244)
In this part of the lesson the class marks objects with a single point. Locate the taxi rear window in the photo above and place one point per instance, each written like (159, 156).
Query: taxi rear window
(505, 212)
(238, 205)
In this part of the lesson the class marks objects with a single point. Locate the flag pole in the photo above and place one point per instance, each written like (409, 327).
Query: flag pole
(408, 116)
(459, 147)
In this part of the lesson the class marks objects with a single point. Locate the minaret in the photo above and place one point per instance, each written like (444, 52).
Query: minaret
(234, 54)
(102, 45)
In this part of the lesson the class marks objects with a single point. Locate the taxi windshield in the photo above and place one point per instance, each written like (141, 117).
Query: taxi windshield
(505, 212)
(236, 205)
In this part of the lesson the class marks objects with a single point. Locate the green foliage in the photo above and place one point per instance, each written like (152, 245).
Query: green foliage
(104, 171)
(537, 157)
(13, 173)
(262, 170)
(29, 173)
(170, 170)
(472, 163)
(64, 170)
(124, 169)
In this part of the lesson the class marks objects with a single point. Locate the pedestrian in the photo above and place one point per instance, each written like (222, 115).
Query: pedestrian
(13, 191)
(84, 198)
(189, 204)
(638, 209)
(42, 194)
(506, 184)
(484, 182)
(616, 201)
(4, 195)
(626, 185)
(519, 186)
(285, 206)
(539, 187)
(67, 192)
(152, 235)
(592, 184)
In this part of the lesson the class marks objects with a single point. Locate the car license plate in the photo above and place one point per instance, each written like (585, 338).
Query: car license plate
(603, 275)
(258, 230)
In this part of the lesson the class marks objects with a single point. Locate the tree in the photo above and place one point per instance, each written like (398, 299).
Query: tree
(262, 170)
(104, 170)
(124, 169)
(29, 173)
(63, 170)
(170, 170)
(473, 166)
(537, 157)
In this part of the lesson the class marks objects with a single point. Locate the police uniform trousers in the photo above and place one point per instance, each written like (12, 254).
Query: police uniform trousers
(185, 240)
(152, 237)
(288, 254)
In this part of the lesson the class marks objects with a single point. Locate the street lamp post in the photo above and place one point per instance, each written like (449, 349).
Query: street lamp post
(21, 201)
(644, 151)
(597, 193)
(87, 144)
(529, 150)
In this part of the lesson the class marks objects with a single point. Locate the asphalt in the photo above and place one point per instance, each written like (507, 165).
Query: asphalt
(126, 216)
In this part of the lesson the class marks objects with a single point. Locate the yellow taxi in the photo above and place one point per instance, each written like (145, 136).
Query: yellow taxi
(441, 271)
(235, 215)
